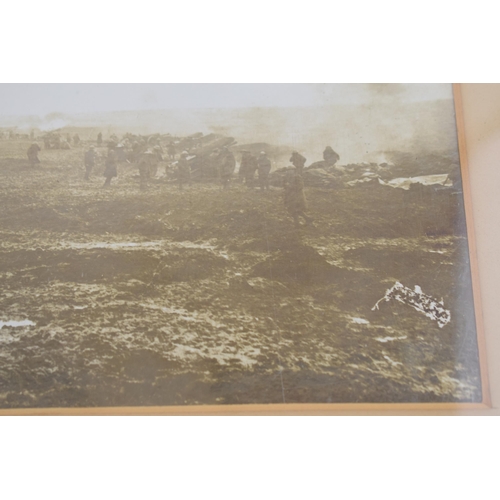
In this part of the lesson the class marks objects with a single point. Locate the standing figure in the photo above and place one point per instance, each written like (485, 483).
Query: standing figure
(248, 167)
(298, 161)
(89, 160)
(171, 150)
(264, 168)
(135, 154)
(183, 170)
(76, 139)
(99, 139)
(110, 171)
(33, 154)
(330, 156)
(227, 165)
(157, 158)
(145, 163)
(295, 200)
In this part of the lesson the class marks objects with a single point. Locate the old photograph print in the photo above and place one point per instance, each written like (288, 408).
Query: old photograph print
(218, 244)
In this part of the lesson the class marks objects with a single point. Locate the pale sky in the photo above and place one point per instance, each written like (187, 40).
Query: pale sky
(41, 99)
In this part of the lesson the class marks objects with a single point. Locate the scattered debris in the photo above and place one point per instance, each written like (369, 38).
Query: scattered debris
(423, 303)
(426, 180)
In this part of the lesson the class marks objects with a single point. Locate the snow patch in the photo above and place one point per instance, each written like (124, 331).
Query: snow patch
(359, 321)
(15, 324)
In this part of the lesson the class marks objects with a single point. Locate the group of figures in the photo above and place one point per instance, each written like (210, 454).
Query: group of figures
(254, 171)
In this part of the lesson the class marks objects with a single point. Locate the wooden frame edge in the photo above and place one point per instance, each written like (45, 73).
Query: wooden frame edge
(471, 239)
(260, 409)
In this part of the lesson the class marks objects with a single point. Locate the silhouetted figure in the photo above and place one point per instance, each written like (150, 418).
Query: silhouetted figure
(227, 165)
(330, 156)
(248, 167)
(33, 154)
(183, 171)
(145, 166)
(76, 139)
(89, 160)
(297, 160)
(99, 139)
(295, 200)
(171, 150)
(264, 169)
(110, 171)
(157, 158)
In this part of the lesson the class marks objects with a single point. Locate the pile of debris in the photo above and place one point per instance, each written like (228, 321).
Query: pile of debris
(317, 177)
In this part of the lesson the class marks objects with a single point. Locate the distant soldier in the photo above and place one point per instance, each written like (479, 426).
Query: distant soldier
(89, 160)
(99, 139)
(264, 168)
(330, 156)
(136, 152)
(295, 200)
(171, 150)
(227, 165)
(145, 165)
(32, 135)
(33, 154)
(46, 142)
(248, 167)
(183, 170)
(157, 158)
(76, 139)
(298, 161)
(110, 171)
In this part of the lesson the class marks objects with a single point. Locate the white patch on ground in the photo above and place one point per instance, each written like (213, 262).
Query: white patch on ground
(143, 245)
(359, 321)
(15, 324)
(108, 245)
(391, 361)
(390, 339)
(220, 354)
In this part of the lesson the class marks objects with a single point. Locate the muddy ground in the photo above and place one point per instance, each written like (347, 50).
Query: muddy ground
(162, 297)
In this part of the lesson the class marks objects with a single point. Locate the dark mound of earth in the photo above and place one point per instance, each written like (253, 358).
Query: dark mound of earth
(300, 264)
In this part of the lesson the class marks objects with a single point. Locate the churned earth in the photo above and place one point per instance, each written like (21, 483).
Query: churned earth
(119, 296)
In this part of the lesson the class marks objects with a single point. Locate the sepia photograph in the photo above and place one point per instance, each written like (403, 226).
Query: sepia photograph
(166, 245)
